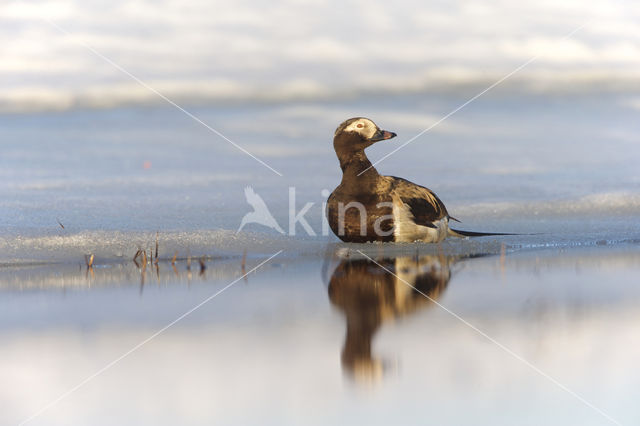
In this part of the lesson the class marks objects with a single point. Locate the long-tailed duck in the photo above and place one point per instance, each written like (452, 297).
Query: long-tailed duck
(367, 206)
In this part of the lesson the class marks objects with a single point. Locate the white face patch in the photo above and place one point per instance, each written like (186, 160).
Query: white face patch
(363, 126)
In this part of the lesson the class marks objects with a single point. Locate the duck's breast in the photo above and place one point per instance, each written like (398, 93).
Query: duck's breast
(361, 217)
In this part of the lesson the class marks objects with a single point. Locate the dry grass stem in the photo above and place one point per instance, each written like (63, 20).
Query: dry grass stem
(203, 265)
(244, 264)
(135, 258)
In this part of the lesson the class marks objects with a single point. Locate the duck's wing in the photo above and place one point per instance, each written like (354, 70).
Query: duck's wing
(424, 205)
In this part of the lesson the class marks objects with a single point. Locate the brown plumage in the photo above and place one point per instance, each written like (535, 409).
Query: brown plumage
(369, 207)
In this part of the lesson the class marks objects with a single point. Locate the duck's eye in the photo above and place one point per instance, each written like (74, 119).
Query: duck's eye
(359, 125)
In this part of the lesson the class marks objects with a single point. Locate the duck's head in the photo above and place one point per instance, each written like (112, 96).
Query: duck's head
(357, 133)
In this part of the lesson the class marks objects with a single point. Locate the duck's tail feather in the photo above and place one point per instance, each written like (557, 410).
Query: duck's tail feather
(463, 234)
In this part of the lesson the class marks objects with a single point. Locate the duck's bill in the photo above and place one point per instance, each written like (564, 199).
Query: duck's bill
(382, 135)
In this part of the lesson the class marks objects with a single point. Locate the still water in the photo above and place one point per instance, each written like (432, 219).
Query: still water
(387, 337)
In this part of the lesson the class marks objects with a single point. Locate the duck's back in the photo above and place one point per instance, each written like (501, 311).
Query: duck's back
(418, 213)
(424, 204)
(394, 210)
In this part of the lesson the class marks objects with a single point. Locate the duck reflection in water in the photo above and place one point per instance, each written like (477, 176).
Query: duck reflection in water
(370, 296)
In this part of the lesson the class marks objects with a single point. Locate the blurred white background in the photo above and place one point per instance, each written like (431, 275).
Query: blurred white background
(251, 50)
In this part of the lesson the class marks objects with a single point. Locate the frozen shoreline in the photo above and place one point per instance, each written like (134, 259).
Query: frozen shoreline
(120, 247)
